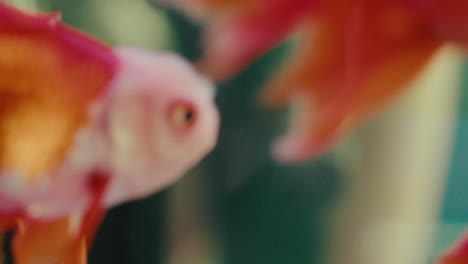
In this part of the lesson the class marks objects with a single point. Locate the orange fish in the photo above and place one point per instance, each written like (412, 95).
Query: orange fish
(354, 56)
(457, 255)
(84, 127)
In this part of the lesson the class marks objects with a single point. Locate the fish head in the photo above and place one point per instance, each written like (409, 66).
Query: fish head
(161, 121)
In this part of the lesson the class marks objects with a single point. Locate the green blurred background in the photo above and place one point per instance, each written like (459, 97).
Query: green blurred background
(454, 217)
(237, 206)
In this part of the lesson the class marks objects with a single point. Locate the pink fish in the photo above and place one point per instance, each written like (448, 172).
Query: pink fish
(353, 57)
(84, 127)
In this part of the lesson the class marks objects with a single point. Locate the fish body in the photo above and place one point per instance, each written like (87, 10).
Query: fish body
(132, 133)
(84, 127)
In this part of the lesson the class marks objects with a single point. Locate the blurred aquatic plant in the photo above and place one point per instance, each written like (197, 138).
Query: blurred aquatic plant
(397, 174)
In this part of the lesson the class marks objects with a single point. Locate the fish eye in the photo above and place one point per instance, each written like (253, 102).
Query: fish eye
(182, 115)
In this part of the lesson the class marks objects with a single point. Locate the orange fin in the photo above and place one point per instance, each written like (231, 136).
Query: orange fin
(65, 240)
(359, 55)
(62, 72)
(44, 242)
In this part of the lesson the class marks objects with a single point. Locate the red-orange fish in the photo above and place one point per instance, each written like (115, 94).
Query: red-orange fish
(354, 56)
(84, 127)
